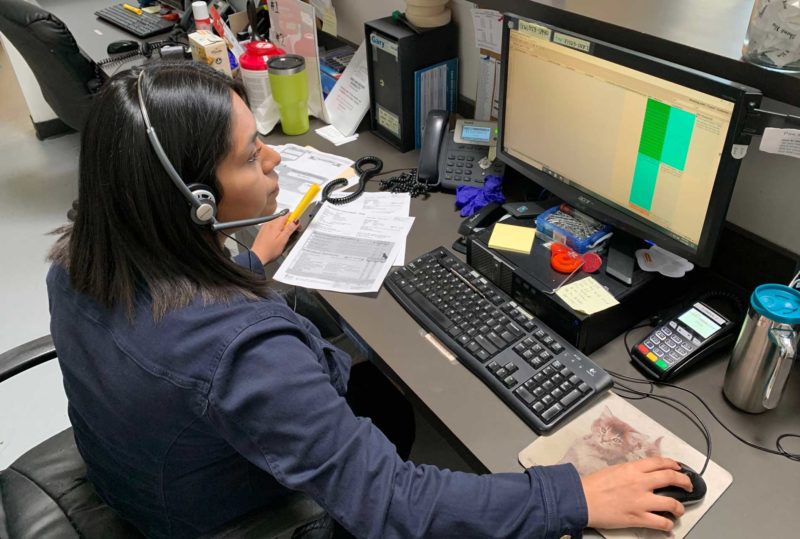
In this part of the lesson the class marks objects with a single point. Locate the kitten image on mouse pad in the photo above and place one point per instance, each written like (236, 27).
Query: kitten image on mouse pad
(614, 431)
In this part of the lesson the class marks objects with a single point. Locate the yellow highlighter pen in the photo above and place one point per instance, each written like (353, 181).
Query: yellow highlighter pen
(301, 207)
(132, 9)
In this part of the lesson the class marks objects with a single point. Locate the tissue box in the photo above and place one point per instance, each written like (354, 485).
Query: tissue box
(211, 50)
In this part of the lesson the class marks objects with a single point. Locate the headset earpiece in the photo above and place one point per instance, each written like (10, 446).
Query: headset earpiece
(206, 211)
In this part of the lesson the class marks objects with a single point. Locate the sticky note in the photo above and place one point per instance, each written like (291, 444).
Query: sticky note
(587, 296)
(512, 238)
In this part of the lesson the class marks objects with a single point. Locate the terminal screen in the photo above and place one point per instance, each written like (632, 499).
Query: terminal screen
(642, 145)
(699, 323)
(476, 133)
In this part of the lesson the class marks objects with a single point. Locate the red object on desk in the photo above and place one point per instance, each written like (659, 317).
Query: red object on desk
(563, 259)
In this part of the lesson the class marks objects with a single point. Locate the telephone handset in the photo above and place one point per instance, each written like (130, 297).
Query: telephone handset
(458, 157)
(436, 127)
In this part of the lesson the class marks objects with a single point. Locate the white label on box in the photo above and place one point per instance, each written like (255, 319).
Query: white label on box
(383, 44)
(534, 30)
(388, 120)
(572, 42)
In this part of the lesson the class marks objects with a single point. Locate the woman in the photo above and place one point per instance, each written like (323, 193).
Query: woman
(197, 395)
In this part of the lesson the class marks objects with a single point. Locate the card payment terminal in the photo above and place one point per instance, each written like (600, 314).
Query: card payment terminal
(682, 341)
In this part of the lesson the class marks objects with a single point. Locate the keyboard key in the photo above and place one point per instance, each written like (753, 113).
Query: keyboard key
(493, 366)
(538, 407)
(547, 400)
(571, 397)
(482, 355)
(510, 382)
(551, 412)
(486, 345)
(501, 373)
(510, 367)
(496, 340)
(584, 388)
(525, 395)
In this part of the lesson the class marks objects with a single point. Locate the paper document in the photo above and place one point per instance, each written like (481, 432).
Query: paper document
(488, 29)
(348, 102)
(587, 296)
(300, 167)
(389, 204)
(613, 431)
(485, 90)
(781, 141)
(329, 132)
(344, 250)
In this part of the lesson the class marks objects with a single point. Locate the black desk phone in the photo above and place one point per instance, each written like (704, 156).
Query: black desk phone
(452, 158)
(683, 341)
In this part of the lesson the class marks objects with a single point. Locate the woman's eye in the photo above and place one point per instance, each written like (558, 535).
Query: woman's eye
(254, 157)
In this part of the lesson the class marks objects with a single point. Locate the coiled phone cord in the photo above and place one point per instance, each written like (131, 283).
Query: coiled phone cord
(366, 167)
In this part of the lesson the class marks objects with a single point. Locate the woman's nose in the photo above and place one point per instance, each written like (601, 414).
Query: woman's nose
(270, 160)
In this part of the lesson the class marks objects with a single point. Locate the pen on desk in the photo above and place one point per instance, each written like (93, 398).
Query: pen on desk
(301, 207)
(132, 9)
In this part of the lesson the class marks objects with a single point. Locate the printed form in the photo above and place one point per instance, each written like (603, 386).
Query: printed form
(300, 167)
(348, 248)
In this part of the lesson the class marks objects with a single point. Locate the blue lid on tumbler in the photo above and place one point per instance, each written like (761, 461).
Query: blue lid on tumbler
(777, 302)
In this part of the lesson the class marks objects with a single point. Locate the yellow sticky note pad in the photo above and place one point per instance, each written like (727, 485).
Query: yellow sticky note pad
(587, 296)
(512, 238)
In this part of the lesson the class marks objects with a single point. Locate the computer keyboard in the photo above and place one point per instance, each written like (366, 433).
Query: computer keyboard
(142, 26)
(533, 370)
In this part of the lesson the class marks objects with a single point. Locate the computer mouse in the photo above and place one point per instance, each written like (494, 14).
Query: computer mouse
(686, 498)
(125, 45)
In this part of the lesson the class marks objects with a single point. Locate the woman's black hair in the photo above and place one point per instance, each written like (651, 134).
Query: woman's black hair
(133, 229)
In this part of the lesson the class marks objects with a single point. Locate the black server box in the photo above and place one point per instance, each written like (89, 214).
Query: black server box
(394, 54)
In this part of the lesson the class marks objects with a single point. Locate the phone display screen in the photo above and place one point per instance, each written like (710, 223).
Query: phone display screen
(699, 323)
(476, 133)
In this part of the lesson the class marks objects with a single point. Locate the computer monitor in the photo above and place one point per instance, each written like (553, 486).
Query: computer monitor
(645, 145)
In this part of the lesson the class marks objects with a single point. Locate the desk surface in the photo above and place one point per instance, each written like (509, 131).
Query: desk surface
(92, 34)
(488, 431)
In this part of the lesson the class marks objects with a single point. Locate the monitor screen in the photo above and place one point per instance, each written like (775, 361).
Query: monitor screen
(635, 141)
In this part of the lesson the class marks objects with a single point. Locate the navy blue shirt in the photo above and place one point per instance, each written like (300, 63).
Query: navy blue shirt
(218, 409)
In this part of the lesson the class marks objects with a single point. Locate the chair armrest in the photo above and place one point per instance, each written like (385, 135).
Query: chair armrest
(25, 356)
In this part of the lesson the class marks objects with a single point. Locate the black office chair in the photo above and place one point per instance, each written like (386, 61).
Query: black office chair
(45, 492)
(67, 78)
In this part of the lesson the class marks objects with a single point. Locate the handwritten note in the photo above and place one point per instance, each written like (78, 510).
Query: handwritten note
(587, 296)
(512, 238)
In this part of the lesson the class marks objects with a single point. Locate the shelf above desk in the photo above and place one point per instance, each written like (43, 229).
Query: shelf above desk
(706, 35)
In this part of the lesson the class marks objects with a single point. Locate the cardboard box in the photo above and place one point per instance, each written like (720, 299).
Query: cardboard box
(211, 50)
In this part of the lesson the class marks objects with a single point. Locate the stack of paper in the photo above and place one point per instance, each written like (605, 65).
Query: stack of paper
(351, 247)
(301, 166)
(332, 134)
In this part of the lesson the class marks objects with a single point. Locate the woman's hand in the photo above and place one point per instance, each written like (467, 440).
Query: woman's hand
(622, 496)
(273, 237)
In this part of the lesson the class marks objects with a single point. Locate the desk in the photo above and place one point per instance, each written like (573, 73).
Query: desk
(763, 499)
(92, 34)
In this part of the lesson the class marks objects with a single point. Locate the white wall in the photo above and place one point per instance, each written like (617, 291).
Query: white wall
(766, 200)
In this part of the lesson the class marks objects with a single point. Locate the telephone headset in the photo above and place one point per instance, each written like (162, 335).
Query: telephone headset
(200, 197)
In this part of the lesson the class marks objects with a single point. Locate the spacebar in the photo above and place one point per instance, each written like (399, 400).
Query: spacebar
(429, 309)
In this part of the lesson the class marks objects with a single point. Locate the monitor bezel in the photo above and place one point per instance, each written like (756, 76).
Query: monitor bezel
(743, 97)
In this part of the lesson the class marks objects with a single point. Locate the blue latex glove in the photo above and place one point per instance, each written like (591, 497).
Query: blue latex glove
(471, 199)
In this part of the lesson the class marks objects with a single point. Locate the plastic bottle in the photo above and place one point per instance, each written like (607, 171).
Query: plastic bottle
(253, 69)
(202, 21)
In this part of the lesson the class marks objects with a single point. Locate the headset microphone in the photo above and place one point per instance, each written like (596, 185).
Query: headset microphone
(200, 197)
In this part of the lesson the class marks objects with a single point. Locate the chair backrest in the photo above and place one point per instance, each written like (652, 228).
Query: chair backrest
(64, 74)
(45, 492)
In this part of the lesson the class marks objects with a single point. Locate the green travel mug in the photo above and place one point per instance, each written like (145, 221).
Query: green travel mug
(289, 83)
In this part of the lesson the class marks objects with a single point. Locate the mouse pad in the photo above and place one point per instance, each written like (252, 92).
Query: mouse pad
(614, 431)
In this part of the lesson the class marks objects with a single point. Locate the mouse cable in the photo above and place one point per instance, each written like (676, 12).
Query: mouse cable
(683, 408)
(780, 451)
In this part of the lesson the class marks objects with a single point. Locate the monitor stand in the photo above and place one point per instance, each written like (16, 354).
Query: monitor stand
(622, 256)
